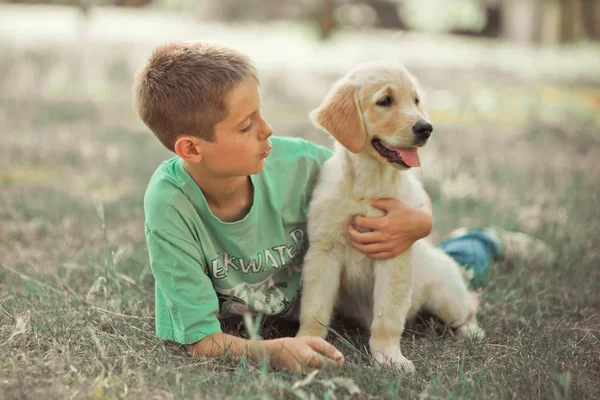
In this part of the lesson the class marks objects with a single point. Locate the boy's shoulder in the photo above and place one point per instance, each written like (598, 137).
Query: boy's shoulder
(166, 176)
(166, 189)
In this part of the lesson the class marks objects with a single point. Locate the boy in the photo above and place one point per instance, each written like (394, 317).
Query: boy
(226, 218)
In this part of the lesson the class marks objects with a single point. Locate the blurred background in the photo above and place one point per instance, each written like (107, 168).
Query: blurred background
(512, 88)
(510, 84)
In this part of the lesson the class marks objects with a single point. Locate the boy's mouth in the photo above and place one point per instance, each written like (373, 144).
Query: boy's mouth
(266, 153)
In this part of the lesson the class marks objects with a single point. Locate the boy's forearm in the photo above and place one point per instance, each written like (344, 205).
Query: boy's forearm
(218, 344)
(425, 219)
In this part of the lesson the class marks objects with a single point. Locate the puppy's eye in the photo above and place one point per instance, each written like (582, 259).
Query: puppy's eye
(417, 101)
(385, 102)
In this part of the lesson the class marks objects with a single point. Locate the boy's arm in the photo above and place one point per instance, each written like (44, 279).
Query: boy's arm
(293, 354)
(187, 307)
(186, 301)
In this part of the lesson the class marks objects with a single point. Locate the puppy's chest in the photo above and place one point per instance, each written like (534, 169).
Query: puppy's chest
(404, 190)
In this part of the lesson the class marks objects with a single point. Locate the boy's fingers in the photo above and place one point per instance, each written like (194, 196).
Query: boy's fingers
(387, 204)
(373, 223)
(315, 361)
(323, 346)
(385, 255)
(371, 248)
(363, 237)
(319, 361)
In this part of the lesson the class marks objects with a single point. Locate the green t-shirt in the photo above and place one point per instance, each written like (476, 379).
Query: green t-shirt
(205, 268)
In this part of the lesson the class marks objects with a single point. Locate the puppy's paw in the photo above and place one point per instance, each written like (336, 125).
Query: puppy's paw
(395, 359)
(471, 331)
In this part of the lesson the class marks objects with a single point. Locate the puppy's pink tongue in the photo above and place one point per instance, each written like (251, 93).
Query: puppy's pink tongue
(409, 156)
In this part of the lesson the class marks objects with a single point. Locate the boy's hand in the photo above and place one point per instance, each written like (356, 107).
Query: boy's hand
(301, 353)
(383, 238)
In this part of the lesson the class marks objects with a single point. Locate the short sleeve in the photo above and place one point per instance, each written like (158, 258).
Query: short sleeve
(186, 302)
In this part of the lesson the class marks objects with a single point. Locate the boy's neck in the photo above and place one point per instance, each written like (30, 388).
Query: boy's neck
(229, 198)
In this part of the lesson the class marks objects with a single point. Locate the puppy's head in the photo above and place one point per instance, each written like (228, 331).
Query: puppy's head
(377, 108)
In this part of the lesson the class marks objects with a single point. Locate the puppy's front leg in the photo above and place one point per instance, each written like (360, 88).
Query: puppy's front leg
(321, 276)
(391, 303)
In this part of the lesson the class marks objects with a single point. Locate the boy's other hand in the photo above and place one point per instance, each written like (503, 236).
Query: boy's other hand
(383, 238)
(300, 354)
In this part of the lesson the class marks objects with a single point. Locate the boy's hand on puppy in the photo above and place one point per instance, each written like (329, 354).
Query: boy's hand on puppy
(383, 238)
(300, 354)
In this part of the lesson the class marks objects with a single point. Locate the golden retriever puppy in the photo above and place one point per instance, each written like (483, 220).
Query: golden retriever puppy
(376, 115)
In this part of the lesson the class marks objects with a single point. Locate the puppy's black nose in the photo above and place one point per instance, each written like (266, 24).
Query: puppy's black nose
(422, 129)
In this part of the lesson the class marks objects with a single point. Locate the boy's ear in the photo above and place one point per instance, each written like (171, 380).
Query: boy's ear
(340, 116)
(189, 148)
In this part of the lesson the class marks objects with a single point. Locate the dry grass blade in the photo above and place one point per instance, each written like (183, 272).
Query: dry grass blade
(307, 380)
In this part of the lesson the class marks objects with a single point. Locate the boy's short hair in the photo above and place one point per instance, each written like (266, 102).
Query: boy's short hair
(181, 88)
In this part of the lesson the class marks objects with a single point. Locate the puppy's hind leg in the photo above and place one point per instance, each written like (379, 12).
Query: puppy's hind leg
(392, 299)
(321, 277)
(456, 306)
(470, 328)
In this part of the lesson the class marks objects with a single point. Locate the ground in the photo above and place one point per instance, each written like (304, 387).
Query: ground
(516, 144)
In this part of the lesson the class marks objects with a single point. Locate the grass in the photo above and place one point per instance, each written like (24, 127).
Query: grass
(76, 291)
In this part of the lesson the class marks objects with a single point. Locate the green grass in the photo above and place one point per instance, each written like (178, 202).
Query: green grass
(65, 332)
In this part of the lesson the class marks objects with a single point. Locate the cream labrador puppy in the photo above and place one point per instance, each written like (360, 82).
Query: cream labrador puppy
(377, 117)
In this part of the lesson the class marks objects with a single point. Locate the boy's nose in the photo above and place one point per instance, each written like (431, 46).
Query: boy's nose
(268, 131)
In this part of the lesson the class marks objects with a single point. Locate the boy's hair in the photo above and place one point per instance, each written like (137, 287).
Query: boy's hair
(181, 88)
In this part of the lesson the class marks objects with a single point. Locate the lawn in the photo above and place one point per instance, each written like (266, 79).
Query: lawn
(514, 150)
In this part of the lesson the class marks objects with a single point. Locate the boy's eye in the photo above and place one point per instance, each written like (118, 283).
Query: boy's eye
(417, 101)
(246, 129)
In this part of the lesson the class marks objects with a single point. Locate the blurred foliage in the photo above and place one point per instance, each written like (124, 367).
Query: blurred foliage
(532, 21)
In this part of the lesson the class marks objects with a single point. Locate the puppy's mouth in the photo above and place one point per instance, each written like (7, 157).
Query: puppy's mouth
(405, 156)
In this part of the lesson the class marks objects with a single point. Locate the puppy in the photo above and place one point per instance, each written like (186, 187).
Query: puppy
(376, 115)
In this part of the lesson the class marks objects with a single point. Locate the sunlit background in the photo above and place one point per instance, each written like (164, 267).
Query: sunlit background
(513, 91)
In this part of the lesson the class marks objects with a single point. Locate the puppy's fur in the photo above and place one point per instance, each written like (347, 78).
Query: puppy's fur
(374, 101)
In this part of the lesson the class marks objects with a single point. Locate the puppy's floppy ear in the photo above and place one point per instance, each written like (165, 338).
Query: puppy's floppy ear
(340, 115)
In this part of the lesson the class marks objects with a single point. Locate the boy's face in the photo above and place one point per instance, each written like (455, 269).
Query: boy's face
(241, 143)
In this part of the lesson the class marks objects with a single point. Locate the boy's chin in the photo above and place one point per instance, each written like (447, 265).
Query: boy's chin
(258, 169)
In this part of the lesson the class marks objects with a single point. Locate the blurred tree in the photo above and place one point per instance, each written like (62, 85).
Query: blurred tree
(325, 18)
(388, 14)
(591, 18)
(384, 14)
(579, 19)
(528, 21)
(570, 21)
(492, 26)
(550, 21)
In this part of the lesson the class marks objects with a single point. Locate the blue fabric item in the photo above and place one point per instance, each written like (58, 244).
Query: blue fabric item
(475, 251)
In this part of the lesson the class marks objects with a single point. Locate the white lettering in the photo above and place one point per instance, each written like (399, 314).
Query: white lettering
(280, 251)
(243, 266)
(260, 261)
(218, 271)
(269, 256)
(297, 235)
(228, 262)
(291, 252)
